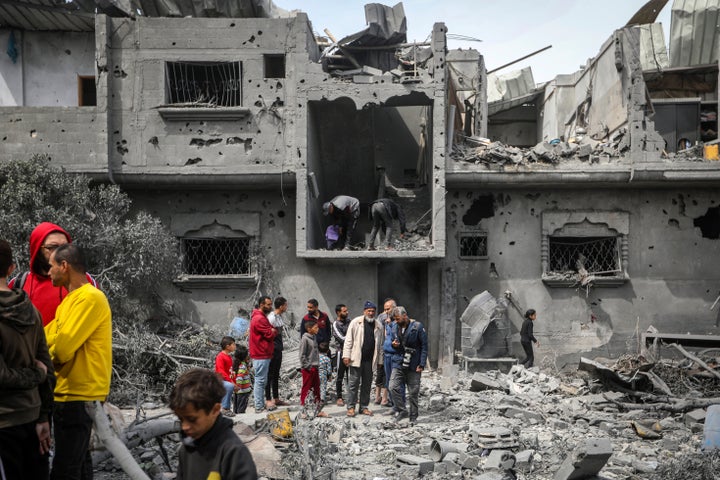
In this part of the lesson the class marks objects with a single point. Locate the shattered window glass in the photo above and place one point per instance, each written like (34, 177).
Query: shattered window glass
(197, 83)
(593, 255)
(473, 245)
(216, 256)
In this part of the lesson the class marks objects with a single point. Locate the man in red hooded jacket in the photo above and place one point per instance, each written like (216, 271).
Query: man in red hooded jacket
(44, 239)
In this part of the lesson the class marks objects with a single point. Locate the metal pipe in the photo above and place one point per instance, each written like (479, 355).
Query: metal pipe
(519, 59)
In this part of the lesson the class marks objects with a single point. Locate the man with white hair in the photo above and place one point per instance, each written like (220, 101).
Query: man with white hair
(364, 339)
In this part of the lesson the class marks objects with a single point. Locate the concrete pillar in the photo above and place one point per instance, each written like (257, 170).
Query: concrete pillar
(434, 311)
(448, 317)
(103, 60)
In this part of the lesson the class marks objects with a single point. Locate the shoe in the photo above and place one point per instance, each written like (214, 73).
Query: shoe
(366, 411)
(413, 422)
(227, 412)
(280, 403)
(259, 410)
(351, 412)
(377, 401)
(400, 415)
(386, 404)
(321, 414)
(340, 402)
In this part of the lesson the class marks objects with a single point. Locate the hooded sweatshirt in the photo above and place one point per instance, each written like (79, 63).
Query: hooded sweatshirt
(39, 287)
(25, 390)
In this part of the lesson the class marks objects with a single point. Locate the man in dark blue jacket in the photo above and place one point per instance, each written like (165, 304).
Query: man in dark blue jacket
(408, 339)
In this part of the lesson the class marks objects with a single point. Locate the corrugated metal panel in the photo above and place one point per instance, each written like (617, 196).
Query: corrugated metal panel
(44, 15)
(694, 32)
(653, 53)
(511, 85)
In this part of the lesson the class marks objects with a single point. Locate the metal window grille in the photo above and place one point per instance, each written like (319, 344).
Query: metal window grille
(218, 83)
(598, 255)
(473, 245)
(216, 256)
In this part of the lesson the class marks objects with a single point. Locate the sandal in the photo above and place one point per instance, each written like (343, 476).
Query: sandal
(366, 411)
(321, 414)
(351, 412)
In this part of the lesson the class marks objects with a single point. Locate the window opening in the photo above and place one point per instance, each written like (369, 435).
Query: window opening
(216, 256)
(596, 255)
(217, 83)
(473, 245)
(87, 95)
(274, 66)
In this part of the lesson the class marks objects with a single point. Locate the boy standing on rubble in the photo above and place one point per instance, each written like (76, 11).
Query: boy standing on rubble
(210, 447)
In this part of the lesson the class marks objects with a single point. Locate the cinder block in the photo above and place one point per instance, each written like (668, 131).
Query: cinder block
(482, 382)
(500, 459)
(695, 416)
(424, 465)
(586, 461)
(523, 460)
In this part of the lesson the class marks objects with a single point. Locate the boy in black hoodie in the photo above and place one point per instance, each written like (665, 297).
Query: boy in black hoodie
(210, 446)
(26, 382)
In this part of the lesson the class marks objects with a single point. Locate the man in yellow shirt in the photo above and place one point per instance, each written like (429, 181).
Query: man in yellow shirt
(80, 345)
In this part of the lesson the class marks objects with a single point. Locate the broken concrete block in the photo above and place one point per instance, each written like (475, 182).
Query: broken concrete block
(368, 70)
(500, 459)
(495, 475)
(440, 468)
(437, 402)
(425, 465)
(584, 151)
(482, 382)
(523, 461)
(451, 467)
(695, 416)
(364, 79)
(530, 416)
(586, 461)
(471, 462)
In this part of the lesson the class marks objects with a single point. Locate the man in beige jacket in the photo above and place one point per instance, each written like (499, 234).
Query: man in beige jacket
(361, 352)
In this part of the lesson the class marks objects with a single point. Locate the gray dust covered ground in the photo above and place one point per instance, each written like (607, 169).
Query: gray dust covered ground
(525, 424)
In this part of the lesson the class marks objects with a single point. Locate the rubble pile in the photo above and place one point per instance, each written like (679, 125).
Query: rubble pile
(518, 425)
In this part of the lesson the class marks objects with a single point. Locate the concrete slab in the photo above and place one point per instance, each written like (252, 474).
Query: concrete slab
(425, 465)
(500, 459)
(586, 461)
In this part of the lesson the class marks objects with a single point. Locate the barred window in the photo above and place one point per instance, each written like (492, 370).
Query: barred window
(473, 245)
(216, 256)
(598, 256)
(216, 83)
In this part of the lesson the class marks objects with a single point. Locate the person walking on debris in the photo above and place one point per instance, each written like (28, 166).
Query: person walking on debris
(309, 365)
(46, 297)
(80, 344)
(272, 394)
(210, 448)
(223, 367)
(243, 379)
(345, 211)
(26, 382)
(340, 326)
(262, 344)
(409, 340)
(527, 338)
(363, 342)
(382, 376)
(382, 213)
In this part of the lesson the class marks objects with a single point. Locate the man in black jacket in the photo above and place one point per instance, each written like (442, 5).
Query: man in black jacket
(26, 382)
(382, 212)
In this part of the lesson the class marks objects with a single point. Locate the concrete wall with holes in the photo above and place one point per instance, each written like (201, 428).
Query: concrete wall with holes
(260, 140)
(673, 266)
(46, 70)
(277, 267)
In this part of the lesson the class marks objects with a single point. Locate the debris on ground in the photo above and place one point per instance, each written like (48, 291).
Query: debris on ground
(606, 418)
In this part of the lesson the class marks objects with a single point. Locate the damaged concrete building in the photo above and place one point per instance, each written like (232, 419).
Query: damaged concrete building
(234, 125)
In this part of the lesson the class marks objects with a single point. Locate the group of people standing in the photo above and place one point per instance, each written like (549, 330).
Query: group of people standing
(55, 358)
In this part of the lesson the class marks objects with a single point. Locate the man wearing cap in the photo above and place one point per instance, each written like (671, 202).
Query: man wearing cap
(361, 352)
(346, 211)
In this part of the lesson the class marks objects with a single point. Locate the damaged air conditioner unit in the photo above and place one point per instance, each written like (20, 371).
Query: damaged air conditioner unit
(485, 328)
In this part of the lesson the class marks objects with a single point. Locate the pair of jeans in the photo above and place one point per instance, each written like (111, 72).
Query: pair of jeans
(261, 367)
(240, 402)
(273, 381)
(387, 361)
(380, 219)
(72, 427)
(529, 354)
(360, 378)
(342, 374)
(399, 379)
(20, 456)
(226, 402)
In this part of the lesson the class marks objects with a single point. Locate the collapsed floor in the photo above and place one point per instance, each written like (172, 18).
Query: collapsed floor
(520, 424)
